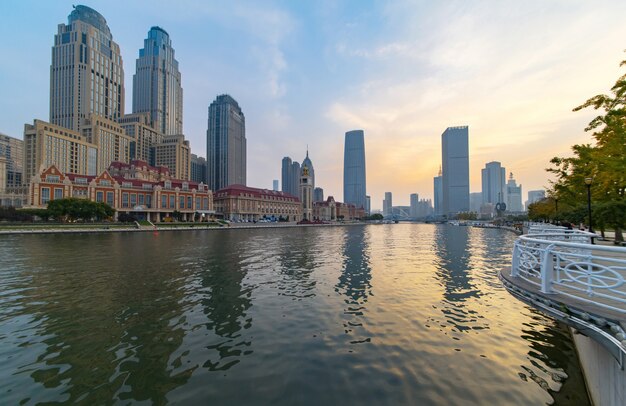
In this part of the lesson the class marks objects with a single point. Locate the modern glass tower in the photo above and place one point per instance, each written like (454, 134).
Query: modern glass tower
(354, 169)
(226, 144)
(286, 175)
(157, 84)
(493, 183)
(86, 73)
(438, 193)
(455, 170)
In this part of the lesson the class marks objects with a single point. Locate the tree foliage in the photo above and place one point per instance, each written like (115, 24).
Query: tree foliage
(604, 162)
(73, 209)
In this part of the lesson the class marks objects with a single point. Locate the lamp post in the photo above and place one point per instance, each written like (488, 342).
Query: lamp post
(556, 209)
(588, 182)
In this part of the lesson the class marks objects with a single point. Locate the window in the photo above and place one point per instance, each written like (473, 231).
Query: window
(81, 180)
(168, 184)
(53, 178)
(148, 201)
(124, 199)
(127, 184)
(147, 186)
(181, 202)
(141, 196)
(133, 200)
(172, 201)
(189, 202)
(198, 203)
(110, 198)
(58, 193)
(99, 196)
(206, 203)
(105, 182)
(163, 201)
(45, 195)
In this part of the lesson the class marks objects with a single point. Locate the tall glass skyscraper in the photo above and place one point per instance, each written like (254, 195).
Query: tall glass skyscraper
(354, 169)
(86, 73)
(285, 173)
(157, 83)
(438, 193)
(455, 170)
(226, 144)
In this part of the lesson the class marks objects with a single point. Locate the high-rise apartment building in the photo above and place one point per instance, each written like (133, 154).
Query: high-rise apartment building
(143, 136)
(86, 73)
(198, 169)
(513, 195)
(354, 180)
(493, 183)
(285, 173)
(226, 144)
(455, 170)
(388, 204)
(438, 193)
(112, 142)
(175, 153)
(12, 149)
(157, 87)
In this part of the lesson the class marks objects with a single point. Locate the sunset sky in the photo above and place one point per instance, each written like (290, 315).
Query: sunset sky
(305, 72)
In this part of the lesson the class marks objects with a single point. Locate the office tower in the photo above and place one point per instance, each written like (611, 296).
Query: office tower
(143, 136)
(226, 144)
(157, 84)
(198, 169)
(175, 153)
(535, 196)
(275, 185)
(493, 183)
(414, 205)
(438, 193)
(318, 194)
(295, 178)
(514, 196)
(71, 153)
(354, 168)
(476, 200)
(285, 173)
(12, 149)
(455, 170)
(387, 204)
(109, 137)
(86, 73)
(368, 205)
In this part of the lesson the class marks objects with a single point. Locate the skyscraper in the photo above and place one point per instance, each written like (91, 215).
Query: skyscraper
(285, 173)
(513, 195)
(13, 150)
(387, 204)
(535, 196)
(318, 194)
(455, 170)
(354, 184)
(86, 73)
(438, 193)
(275, 185)
(157, 83)
(493, 183)
(368, 205)
(309, 165)
(226, 144)
(295, 178)
(414, 204)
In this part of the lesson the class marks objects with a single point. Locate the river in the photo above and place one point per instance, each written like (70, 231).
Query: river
(377, 314)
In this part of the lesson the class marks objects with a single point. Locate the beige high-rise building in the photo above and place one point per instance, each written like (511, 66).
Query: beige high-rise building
(143, 135)
(47, 144)
(12, 149)
(86, 73)
(175, 153)
(112, 142)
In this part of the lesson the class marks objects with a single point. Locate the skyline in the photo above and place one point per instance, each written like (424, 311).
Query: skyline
(402, 72)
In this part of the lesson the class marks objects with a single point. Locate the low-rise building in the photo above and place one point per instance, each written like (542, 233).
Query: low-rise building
(330, 210)
(137, 188)
(244, 203)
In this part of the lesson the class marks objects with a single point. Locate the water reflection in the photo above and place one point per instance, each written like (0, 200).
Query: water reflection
(355, 283)
(296, 265)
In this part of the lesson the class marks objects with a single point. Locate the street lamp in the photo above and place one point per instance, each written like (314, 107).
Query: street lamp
(588, 182)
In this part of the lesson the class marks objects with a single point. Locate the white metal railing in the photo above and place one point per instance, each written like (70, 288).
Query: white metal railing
(564, 262)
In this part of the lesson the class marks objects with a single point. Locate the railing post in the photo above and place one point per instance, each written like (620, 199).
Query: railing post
(515, 262)
(547, 268)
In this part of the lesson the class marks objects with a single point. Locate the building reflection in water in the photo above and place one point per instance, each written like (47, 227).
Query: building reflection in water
(297, 263)
(355, 282)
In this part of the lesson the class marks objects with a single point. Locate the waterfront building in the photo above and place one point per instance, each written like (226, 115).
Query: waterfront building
(285, 172)
(135, 188)
(414, 199)
(455, 170)
(143, 136)
(476, 200)
(226, 143)
(424, 208)
(387, 204)
(514, 196)
(354, 177)
(86, 72)
(318, 194)
(12, 150)
(306, 188)
(368, 205)
(275, 185)
(535, 196)
(157, 87)
(438, 193)
(493, 183)
(198, 169)
(110, 139)
(175, 153)
(330, 210)
(295, 178)
(47, 144)
(244, 203)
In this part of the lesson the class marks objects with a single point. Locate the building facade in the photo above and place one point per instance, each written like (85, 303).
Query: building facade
(198, 169)
(143, 136)
(354, 175)
(476, 200)
(330, 210)
(137, 188)
(368, 205)
(414, 202)
(226, 144)
(493, 183)
(306, 188)
(12, 150)
(295, 178)
(275, 185)
(110, 139)
(438, 194)
(388, 204)
(157, 86)
(175, 153)
(318, 194)
(535, 196)
(514, 196)
(285, 175)
(247, 204)
(86, 73)
(455, 170)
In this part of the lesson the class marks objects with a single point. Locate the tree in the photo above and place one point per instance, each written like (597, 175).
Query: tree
(73, 209)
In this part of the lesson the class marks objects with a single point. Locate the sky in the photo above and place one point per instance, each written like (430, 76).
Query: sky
(305, 72)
